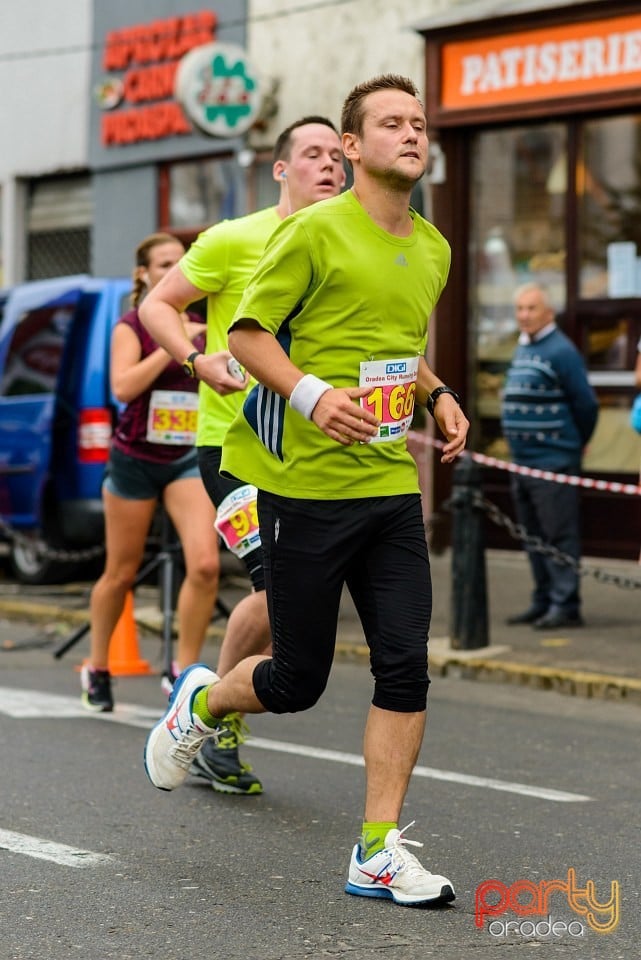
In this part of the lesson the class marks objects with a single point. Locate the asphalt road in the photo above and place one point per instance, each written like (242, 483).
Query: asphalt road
(513, 785)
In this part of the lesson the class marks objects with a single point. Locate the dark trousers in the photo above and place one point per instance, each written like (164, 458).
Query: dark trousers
(551, 511)
(311, 549)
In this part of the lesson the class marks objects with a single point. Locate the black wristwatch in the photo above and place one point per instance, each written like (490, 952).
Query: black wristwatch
(188, 364)
(435, 394)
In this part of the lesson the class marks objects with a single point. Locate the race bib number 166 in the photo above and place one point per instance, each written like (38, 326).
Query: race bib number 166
(391, 400)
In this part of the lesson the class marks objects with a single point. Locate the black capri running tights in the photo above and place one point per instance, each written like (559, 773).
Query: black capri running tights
(312, 548)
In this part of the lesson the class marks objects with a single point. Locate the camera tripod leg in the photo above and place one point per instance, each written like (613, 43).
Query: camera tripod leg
(166, 562)
(78, 634)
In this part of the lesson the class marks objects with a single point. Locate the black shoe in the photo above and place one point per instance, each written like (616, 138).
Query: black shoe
(220, 764)
(554, 619)
(96, 690)
(528, 616)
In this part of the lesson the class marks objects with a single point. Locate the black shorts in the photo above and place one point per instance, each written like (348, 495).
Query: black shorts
(132, 478)
(377, 547)
(218, 487)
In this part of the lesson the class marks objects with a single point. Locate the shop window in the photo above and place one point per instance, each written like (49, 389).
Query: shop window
(199, 193)
(263, 189)
(608, 184)
(608, 190)
(59, 217)
(546, 198)
(57, 253)
(517, 235)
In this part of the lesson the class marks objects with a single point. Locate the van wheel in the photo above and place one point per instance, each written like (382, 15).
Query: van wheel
(31, 566)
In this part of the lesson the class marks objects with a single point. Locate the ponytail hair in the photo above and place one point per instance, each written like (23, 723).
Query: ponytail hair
(143, 250)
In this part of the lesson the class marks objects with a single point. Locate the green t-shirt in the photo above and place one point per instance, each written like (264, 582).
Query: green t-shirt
(336, 290)
(221, 261)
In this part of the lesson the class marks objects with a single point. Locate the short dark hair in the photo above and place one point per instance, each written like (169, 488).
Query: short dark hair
(353, 111)
(283, 143)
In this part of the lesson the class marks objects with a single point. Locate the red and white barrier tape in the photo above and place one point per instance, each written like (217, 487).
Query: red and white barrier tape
(609, 486)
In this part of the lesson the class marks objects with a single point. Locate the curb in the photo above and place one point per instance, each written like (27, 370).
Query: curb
(40, 611)
(578, 683)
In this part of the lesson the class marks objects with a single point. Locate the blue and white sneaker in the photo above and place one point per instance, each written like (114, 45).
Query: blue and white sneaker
(180, 733)
(395, 874)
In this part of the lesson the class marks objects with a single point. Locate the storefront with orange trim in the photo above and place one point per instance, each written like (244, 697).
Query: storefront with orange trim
(535, 123)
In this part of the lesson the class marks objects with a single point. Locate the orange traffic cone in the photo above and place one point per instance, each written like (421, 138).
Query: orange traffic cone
(124, 655)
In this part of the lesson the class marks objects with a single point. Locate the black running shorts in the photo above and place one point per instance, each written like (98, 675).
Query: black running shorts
(311, 549)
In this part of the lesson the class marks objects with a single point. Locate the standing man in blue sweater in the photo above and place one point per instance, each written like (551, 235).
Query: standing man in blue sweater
(548, 415)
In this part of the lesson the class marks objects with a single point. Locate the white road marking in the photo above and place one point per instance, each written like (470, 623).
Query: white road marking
(30, 704)
(432, 773)
(21, 704)
(41, 849)
(33, 704)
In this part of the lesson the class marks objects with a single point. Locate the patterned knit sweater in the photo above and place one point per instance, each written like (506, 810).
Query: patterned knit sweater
(549, 409)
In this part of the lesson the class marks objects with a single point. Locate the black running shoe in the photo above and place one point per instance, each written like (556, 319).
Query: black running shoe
(96, 690)
(220, 764)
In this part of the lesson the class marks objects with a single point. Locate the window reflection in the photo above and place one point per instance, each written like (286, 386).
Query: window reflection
(35, 352)
(609, 197)
(266, 190)
(517, 235)
(201, 192)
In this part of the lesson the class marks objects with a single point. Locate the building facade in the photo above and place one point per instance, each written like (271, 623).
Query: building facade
(100, 152)
(535, 120)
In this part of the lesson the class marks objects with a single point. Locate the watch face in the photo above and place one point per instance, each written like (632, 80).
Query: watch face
(188, 368)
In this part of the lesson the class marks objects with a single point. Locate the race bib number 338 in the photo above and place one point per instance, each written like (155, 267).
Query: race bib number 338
(173, 416)
(393, 391)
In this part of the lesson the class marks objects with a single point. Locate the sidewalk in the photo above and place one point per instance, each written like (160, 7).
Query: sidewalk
(601, 659)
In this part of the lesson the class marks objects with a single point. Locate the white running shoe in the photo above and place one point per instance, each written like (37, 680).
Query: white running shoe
(395, 873)
(180, 733)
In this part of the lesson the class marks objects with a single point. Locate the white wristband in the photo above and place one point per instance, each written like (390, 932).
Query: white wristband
(307, 393)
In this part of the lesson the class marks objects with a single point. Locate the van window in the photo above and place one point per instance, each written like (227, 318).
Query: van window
(35, 351)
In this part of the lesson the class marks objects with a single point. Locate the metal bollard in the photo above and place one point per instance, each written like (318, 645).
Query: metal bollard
(468, 603)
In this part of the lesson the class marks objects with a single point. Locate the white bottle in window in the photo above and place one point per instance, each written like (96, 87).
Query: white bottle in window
(497, 285)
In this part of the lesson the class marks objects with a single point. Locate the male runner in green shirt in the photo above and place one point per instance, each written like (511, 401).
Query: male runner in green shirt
(333, 327)
(308, 166)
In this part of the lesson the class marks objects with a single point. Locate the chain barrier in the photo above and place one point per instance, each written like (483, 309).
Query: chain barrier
(531, 542)
(41, 549)
(517, 531)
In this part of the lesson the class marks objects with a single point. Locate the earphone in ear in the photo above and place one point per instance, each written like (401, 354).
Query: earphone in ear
(283, 175)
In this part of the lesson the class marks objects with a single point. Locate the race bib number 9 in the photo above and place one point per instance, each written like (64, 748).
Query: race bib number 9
(173, 416)
(237, 520)
(393, 391)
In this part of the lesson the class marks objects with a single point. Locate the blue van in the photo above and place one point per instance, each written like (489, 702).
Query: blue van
(56, 418)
